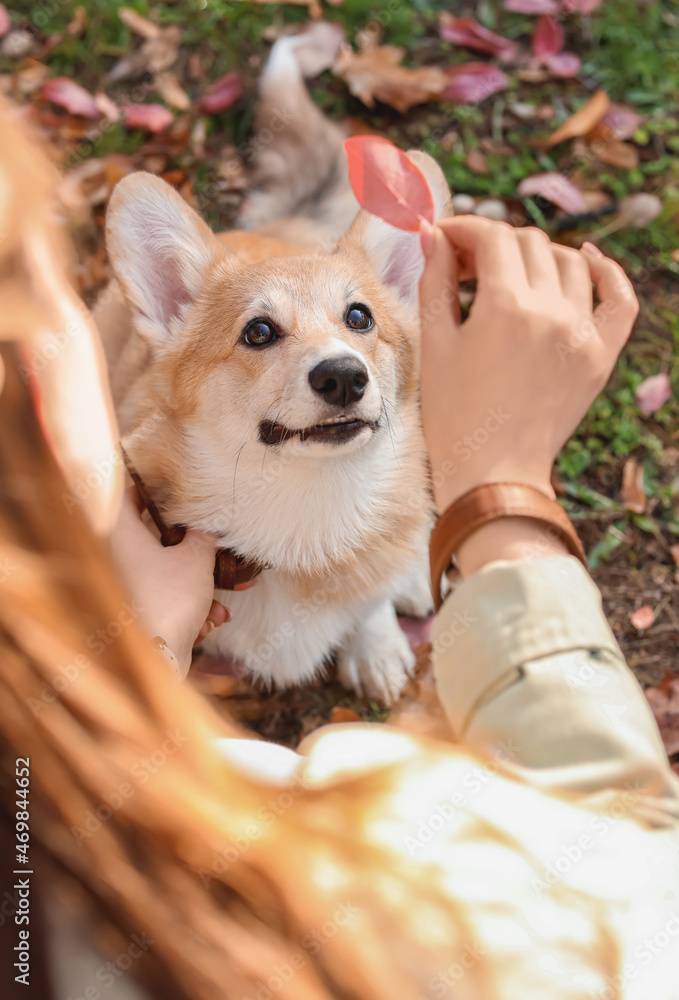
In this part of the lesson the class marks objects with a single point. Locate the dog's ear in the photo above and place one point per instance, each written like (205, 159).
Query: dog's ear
(160, 250)
(396, 256)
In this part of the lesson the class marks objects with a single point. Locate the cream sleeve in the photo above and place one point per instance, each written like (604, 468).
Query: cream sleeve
(529, 673)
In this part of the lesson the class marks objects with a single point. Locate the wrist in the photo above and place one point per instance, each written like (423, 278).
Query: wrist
(513, 539)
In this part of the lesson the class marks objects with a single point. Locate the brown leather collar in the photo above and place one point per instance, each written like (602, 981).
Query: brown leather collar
(230, 569)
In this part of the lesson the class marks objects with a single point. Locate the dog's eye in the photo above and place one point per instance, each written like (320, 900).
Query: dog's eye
(260, 332)
(359, 317)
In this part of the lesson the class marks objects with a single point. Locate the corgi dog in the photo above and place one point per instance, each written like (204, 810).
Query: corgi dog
(266, 385)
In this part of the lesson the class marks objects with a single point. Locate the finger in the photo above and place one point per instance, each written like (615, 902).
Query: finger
(438, 284)
(618, 308)
(493, 250)
(202, 543)
(132, 494)
(576, 281)
(538, 259)
(217, 615)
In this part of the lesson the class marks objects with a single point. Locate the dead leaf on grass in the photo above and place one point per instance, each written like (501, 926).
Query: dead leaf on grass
(315, 10)
(170, 89)
(376, 74)
(643, 617)
(157, 54)
(582, 122)
(469, 33)
(617, 153)
(632, 492)
(555, 188)
(70, 95)
(5, 20)
(339, 715)
(150, 117)
(653, 393)
(477, 162)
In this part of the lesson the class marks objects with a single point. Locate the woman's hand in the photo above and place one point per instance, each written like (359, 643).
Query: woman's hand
(173, 586)
(503, 391)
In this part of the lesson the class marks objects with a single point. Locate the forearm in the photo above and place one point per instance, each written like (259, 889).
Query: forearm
(530, 674)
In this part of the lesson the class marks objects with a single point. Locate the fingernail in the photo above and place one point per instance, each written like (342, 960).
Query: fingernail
(590, 248)
(426, 238)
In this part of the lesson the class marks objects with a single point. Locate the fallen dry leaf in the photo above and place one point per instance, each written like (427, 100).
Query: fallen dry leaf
(643, 617)
(150, 117)
(532, 6)
(638, 210)
(664, 702)
(376, 74)
(78, 23)
(653, 393)
(555, 188)
(675, 256)
(674, 551)
(28, 80)
(581, 6)
(563, 64)
(465, 31)
(5, 20)
(221, 94)
(582, 122)
(477, 162)
(548, 37)
(17, 44)
(70, 95)
(170, 89)
(135, 22)
(632, 492)
(157, 54)
(339, 715)
(617, 153)
(473, 82)
(619, 122)
(107, 107)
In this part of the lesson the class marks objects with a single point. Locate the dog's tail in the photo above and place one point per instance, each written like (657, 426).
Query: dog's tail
(300, 182)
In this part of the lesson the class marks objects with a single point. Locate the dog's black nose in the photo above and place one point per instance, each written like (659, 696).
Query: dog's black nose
(339, 381)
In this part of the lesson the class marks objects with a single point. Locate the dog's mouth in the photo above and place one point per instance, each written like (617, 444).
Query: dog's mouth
(335, 430)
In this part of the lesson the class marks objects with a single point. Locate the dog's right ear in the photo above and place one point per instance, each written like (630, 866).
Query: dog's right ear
(160, 250)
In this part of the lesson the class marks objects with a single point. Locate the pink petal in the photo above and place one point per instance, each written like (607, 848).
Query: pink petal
(548, 37)
(151, 117)
(532, 6)
(653, 392)
(563, 64)
(643, 617)
(221, 94)
(473, 82)
(5, 22)
(465, 31)
(555, 188)
(622, 121)
(71, 96)
(580, 6)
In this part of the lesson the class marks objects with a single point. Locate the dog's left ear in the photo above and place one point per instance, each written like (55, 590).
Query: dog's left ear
(395, 255)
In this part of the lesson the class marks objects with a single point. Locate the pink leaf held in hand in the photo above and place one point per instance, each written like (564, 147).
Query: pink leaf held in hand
(643, 617)
(387, 184)
(555, 188)
(221, 94)
(563, 64)
(653, 393)
(532, 6)
(548, 37)
(473, 82)
(465, 31)
(5, 22)
(71, 96)
(150, 117)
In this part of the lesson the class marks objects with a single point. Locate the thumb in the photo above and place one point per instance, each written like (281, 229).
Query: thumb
(439, 298)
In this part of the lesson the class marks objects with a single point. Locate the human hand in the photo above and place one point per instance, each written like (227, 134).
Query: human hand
(503, 391)
(173, 586)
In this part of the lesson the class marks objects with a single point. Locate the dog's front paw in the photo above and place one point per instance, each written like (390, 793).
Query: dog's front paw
(376, 659)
